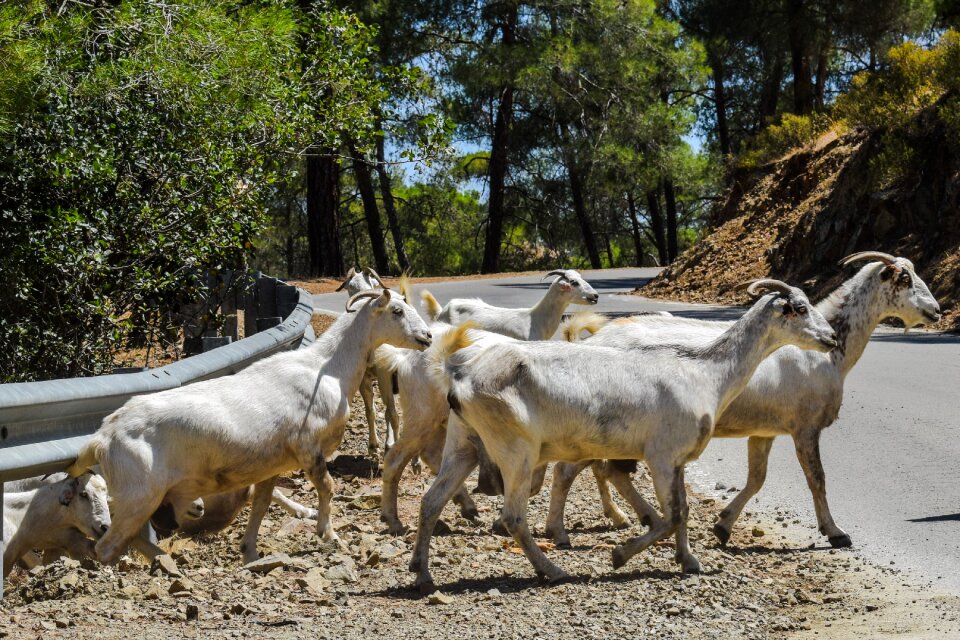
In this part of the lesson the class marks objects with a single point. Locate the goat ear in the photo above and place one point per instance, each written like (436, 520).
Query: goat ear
(69, 491)
(384, 298)
(888, 271)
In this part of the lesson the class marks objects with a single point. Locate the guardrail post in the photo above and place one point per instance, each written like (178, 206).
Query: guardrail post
(250, 306)
(287, 297)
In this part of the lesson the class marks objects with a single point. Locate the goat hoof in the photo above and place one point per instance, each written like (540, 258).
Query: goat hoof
(841, 541)
(563, 544)
(692, 566)
(398, 529)
(619, 558)
(722, 533)
(499, 529)
(442, 529)
(470, 514)
(426, 587)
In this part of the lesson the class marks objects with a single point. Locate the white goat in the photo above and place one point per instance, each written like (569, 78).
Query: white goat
(355, 282)
(285, 412)
(535, 323)
(423, 398)
(64, 515)
(794, 392)
(215, 512)
(533, 402)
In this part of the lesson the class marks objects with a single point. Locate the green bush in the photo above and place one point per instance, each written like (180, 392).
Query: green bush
(152, 142)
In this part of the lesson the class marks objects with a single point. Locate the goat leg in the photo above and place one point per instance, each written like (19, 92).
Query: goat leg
(758, 452)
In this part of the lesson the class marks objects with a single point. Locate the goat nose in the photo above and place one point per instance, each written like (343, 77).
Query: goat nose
(429, 335)
(104, 527)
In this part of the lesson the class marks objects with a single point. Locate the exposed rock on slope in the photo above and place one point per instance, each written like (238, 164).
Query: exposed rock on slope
(795, 218)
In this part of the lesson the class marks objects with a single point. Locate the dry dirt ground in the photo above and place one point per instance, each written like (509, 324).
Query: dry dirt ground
(769, 583)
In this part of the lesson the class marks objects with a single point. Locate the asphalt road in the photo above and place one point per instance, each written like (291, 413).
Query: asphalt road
(892, 459)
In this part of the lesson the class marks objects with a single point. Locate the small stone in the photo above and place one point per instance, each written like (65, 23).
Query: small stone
(831, 598)
(70, 563)
(70, 581)
(63, 623)
(494, 593)
(341, 573)
(181, 584)
(720, 486)
(373, 559)
(440, 598)
(871, 607)
(758, 532)
(125, 564)
(673, 611)
(153, 592)
(268, 563)
(130, 592)
(164, 563)
(193, 612)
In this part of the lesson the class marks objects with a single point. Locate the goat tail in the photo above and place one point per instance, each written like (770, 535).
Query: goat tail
(583, 321)
(406, 287)
(443, 348)
(430, 305)
(389, 358)
(89, 456)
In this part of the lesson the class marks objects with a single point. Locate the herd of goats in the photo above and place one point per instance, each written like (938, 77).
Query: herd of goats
(478, 385)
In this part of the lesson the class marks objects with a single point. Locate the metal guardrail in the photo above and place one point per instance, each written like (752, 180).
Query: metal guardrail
(44, 424)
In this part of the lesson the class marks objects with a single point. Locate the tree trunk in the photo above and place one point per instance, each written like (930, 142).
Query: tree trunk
(386, 194)
(656, 223)
(770, 93)
(323, 198)
(499, 148)
(370, 210)
(803, 92)
(635, 225)
(821, 87)
(720, 103)
(580, 209)
(672, 235)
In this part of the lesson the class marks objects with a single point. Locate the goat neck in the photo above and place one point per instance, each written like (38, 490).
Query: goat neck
(854, 310)
(21, 508)
(545, 316)
(345, 348)
(736, 353)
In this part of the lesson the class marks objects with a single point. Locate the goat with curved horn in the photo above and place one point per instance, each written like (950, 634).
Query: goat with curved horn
(885, 258)
(373, 274)
(365, 294)
(756, 288)
(555, 272)
(347, 279)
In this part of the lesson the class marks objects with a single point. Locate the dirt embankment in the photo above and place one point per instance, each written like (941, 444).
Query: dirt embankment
(795, 218)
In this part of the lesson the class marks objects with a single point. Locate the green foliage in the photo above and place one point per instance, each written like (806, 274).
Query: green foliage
(155, 136)
(791, 132)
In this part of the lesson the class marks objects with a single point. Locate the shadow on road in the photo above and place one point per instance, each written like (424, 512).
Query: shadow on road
(917, 338)
(949, 517)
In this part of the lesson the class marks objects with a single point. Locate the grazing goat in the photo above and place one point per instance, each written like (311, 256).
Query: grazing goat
(536, 323)
(533, 402)
(285, 412)
(63, 515)
(794, 392)
(355, 282)
(215, 512)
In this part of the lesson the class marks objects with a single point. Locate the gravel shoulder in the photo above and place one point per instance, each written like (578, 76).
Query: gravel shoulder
(768, 583)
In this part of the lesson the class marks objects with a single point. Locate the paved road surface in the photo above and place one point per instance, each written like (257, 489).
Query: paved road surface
(892, 458)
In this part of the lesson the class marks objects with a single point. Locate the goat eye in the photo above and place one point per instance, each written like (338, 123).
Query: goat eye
(576, 284)
(398, 311)
(801, 310)
(83, 494)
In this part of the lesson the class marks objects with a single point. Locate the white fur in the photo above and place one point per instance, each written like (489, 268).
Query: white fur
(794, 392)
(539, 322)
(286, 412)
(66, 515)
(534, 402)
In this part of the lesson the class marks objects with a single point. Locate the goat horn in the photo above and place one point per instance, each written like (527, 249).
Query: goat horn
(350, 275)
(556, 272)
(885, 258)
(756, 287)
(373, 274)
(361, 295)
